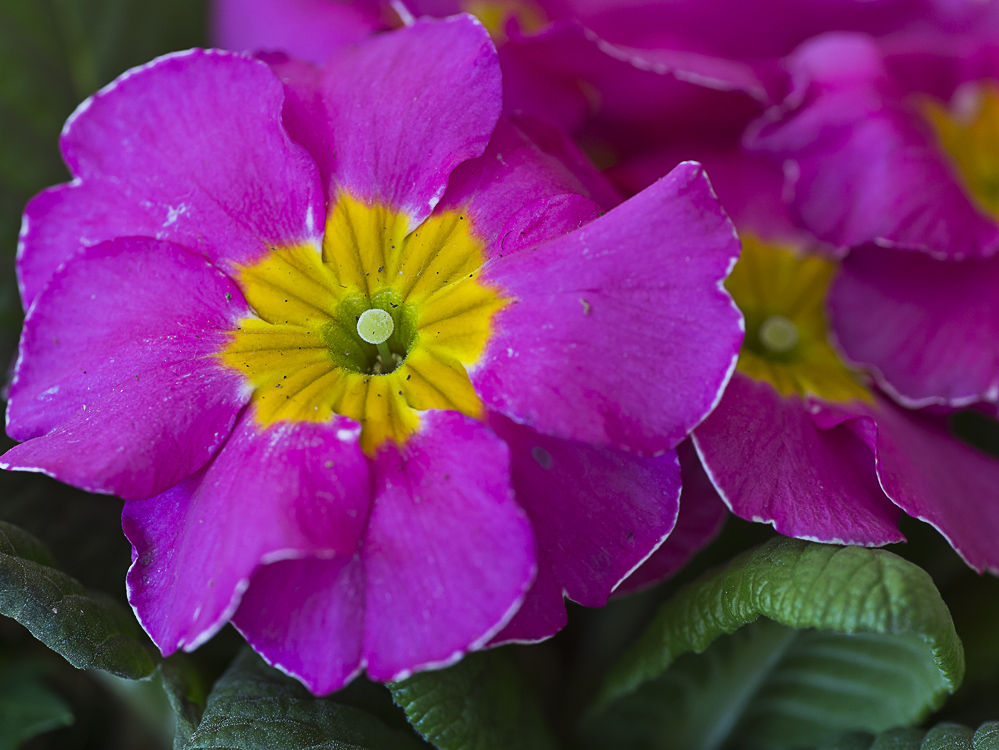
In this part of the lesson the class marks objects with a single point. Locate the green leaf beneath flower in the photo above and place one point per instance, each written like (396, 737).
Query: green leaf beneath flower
(481, 703)
(940, 737)
(789, 645)
(183, 687)
(254, 707)
(84, 528)
(91, 630)
(27, 707)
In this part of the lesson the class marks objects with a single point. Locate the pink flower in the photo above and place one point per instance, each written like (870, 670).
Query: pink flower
(803, 439)
(365, 359)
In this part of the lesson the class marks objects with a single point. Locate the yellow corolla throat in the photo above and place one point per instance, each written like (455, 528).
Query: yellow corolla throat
(971, 139)
(782, 296)
(495, 14)
(378, 326)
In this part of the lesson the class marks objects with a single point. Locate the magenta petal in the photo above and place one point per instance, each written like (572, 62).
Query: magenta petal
(188, 148)
(702, 515)
(625, 98)
(549, 74)
(407, 107)
(295, 489)
(934, 477)
(522, 192)
(112, 312)
(597, 514)
(749, 186)
(866, 167)
(305, 111)
(446, 560)
(772, 463)
(306, 617)
(142, 436)
(307, 29)
(936, 336)
(449, 554)
(620, 333)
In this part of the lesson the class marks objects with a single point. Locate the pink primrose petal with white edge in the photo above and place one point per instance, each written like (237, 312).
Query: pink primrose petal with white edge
(112, 311)
(935, 477)
(597, 513)
(117, 388)
(304, 111)
(728, 43)
(928, 329)
(863, 165)
(406, 107)
(523, 192)
(702, 515)
(621, 333)
(449, 554)
(189, 148)
(771, 463)
(621, 97)
(144, 434)
(306, 29)
(749, 186)
(290, 490)
(446, 560)
(306, 617)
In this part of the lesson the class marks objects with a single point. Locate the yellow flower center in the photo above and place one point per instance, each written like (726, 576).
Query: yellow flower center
(378, 326)
(782, 296)
(971, 139)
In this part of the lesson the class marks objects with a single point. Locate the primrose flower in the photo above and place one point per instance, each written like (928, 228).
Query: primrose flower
(804, 441)
(381, 375)
(909, 183)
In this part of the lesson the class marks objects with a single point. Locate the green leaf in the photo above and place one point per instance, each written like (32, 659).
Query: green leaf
(91, 630)
(940, 737)
(481, 703)
(85, 528)
(789, 645)
(183, 686)
(27, 707)
(254, 707)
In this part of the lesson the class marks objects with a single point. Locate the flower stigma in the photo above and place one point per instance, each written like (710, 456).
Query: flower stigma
(778, 334)
(375, 326)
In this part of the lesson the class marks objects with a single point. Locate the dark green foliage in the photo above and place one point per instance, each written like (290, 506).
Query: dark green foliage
(481, 703)
(91, 630)
(254, 707)
(27, 706)
(940, 737)
(787, 646)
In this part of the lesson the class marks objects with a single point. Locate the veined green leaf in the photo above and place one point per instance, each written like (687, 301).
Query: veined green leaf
(254, 707)
(481, 703)
(91, 630)
(940, 737)
(183, 686)
(789, 645)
